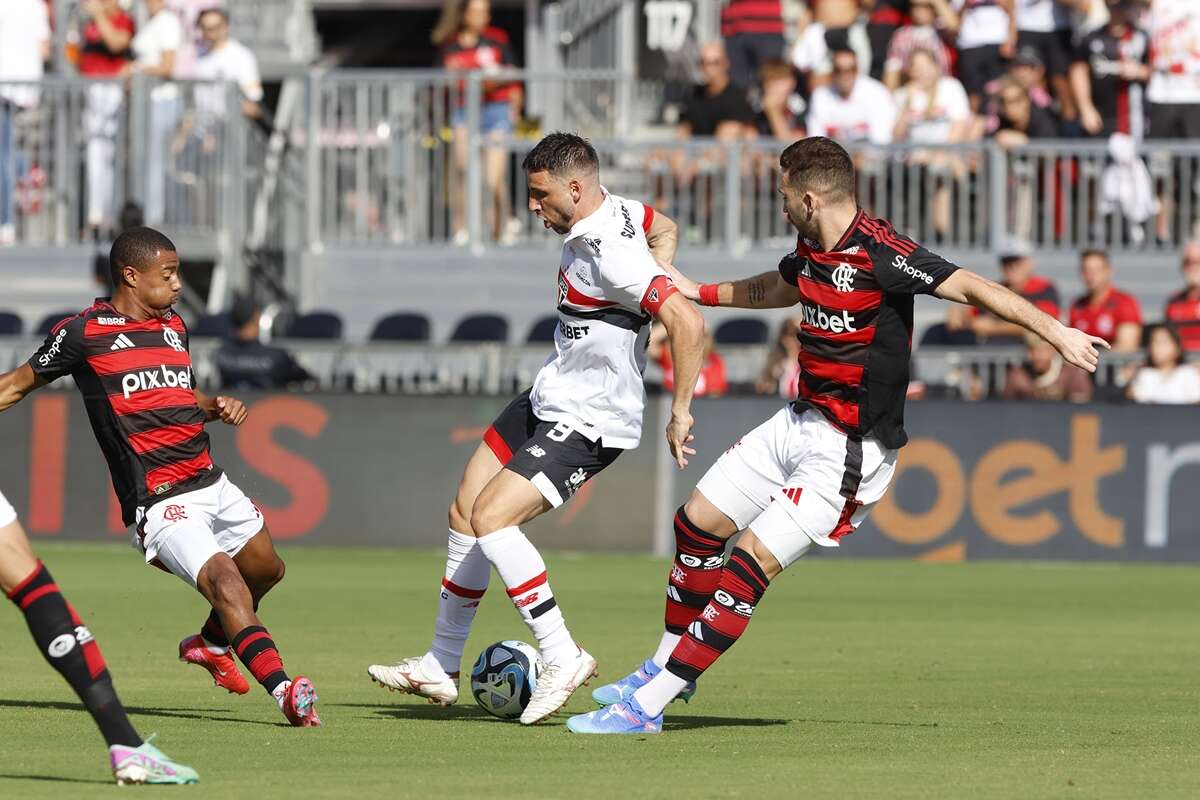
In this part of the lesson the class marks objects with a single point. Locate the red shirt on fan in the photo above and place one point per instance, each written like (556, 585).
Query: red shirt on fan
(1103, 318)
(1037, 290)
(490, 52)
(1183, 314)
(95, 59)
(710, 383)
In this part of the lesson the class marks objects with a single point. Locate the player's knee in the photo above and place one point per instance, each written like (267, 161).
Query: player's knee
(224, 587)
(278, 572)
(460, 520)
(762, 556)
(485, 520)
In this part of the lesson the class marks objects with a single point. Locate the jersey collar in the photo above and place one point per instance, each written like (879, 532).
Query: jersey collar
(593, 220)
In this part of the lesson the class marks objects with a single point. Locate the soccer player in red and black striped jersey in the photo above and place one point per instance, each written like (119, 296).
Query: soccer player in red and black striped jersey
(810, 474)
(129, 358)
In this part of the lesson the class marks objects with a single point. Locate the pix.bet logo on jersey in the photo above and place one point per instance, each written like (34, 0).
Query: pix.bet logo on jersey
(834, 322)
(163, 377)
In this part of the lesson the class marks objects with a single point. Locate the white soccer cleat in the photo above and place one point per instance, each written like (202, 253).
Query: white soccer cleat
(411, 677)
(556, 683)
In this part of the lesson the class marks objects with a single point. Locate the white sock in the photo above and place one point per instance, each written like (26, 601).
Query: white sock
(662, 689)
(524, 574)
(466, 579)
(281, 692)
(665, 648)
(215, 649)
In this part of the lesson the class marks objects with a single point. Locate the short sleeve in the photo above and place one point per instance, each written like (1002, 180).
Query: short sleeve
(249, 79)
(1129, 311)
(641, 214)
(62, 352)
(905, 267)
(789, 268)
(40, 23)
(629, 272)
(172, 33)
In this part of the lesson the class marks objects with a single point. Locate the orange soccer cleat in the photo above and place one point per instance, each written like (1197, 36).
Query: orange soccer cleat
(222, 667)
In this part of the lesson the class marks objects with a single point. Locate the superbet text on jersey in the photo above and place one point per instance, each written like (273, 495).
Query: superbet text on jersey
(136, 379)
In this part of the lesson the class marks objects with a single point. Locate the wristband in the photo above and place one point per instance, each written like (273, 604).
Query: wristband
(708, 294)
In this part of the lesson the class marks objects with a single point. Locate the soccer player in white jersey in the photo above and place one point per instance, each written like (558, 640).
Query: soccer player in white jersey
(584, 409)
(811, 473)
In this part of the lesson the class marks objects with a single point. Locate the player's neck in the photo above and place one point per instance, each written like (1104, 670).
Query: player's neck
(588, 205)
(835, 224)
(129, 307)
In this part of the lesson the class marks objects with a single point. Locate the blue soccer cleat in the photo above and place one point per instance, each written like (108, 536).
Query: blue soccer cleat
(147, 764)
(612, 693)
(626, 717)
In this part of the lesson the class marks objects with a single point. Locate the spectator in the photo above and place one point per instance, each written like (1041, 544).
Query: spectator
(1045, 376)
(104, 54)
(781, 106)
(1111, 68)
(155, 47)
(753, 34)
(812, 54)
(1166, 378)
(188, 12)
(717, 107)
(1019, 119)
(933, 109)
(468, 43)
(929, 19)
(1045, 27)
(781, 374)
(1017, 274)
(987, 34)
(711, 381)
(1183, 307)
(225, 59)
(24, 47)
(853, 108)
(883, 22)
(1174, 88)
(1104, 310)
(246, 363)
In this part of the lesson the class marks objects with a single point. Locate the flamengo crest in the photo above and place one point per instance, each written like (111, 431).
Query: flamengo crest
(843, 277)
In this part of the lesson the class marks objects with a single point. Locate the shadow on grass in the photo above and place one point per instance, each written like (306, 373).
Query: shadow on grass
(206, 714)
(53, 778)
(867, 722)
(690, 722)
(424, 711)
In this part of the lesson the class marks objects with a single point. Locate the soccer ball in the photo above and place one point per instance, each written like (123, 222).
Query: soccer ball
(503, 678)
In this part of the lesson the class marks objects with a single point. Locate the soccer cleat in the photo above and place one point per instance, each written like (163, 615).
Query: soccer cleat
(556, 682)
(623, 689)
(300, 703)
(224, 670)
(147, 764)
(626, 717)
(411, 677)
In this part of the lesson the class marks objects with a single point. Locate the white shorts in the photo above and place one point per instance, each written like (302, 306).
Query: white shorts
(796, 480)
(8, 514)
(183, 532)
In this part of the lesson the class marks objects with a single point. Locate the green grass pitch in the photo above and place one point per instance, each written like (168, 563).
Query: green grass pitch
(855, 679)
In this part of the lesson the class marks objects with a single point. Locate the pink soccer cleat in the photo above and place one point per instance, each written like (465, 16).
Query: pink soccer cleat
(223, 668)
(300, 703)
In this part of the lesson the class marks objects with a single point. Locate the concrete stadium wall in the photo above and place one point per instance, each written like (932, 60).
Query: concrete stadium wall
(977, 480)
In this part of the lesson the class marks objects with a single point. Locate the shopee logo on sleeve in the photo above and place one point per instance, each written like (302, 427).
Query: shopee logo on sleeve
(162, 378)
(55, 349)
(901, 263)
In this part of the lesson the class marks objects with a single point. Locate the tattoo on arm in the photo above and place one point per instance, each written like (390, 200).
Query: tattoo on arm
(757, 291)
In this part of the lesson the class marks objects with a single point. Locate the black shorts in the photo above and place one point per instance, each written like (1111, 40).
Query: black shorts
(551, 455)
(1053, 48)
(979, 66)
(1174, 121)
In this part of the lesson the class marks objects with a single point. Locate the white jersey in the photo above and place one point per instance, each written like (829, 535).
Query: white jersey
(609, 285)
(867, 115)
(1174, 52)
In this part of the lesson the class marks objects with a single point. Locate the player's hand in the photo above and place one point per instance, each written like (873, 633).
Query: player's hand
(686, 286)
(1080, 349)
(679, 434)
(230, 410)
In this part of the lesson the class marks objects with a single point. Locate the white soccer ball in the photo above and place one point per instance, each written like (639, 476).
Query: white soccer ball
(504, 677)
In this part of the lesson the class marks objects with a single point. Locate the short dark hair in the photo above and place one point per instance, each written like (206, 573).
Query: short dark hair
(137, 248)
(1169, 330)
(562, 154)
(220, 12)
(1097, 252)
(819, 164)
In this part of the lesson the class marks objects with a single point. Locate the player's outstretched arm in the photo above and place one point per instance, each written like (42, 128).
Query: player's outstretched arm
(663, 238)
(1075, 346)
(768, 290)
(15, 385)
(229, 410)
(685, 328)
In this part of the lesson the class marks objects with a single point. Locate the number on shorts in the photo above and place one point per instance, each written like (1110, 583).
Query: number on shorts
(559, 432)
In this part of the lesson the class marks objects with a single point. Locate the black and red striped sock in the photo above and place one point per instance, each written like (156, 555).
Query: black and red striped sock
(694, 573)
(213, 633)
(68, 645)
(257, 651)
(723, 619)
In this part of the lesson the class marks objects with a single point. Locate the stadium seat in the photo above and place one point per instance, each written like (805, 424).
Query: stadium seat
(50, 320)
(743, 330)
(216, 326)
(481, 328)
(402, 327)
(542, 330)
(316, 325)
(940, 336)
(10, 324)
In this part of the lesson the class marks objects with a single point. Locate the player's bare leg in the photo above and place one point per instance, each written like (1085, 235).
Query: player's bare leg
(261, 568)
(222, 585)
(69, 647)
(434, 675)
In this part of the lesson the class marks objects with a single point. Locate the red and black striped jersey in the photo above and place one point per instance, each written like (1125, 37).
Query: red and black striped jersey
(136, 380)
(752, 16)
(856, 302)
(1183, 314)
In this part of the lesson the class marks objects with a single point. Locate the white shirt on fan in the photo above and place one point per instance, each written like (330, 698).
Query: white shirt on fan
(1174, 52)
(161, 34)
(981, 23)
(868, 114)
(233, 62)
(593, 381)
(1042, 16)
(1179, 386)
(24, 28)
(950, 105)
